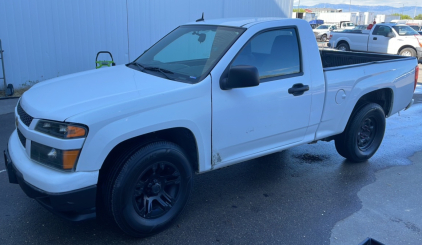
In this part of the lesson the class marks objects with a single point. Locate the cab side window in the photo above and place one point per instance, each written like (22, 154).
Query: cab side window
(275, 53)
(382, 31)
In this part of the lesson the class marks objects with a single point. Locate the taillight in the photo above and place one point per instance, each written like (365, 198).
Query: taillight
(416, 76)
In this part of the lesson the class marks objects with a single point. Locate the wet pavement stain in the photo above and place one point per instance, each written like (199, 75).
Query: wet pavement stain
(311, 158)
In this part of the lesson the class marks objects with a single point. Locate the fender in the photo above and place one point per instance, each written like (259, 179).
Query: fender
(188, 108)
(363, 80)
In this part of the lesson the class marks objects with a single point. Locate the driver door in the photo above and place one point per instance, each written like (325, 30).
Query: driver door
(249, 121)
(379, 41)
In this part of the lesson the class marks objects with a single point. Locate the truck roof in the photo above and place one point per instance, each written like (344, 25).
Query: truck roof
(235, 22)
(390, 24)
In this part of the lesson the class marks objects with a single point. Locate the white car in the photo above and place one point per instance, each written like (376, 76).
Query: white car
(322, 32)
(126, 140)
(386, 38)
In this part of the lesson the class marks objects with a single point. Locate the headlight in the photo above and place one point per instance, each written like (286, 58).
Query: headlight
(61, 130)
(61, 159)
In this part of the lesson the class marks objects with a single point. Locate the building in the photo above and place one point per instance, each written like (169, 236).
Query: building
(46, 39)
(324, 10)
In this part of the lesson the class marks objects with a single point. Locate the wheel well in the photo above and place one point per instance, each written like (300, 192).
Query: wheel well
(383, 97)
(342, 41)
(406, 46)
(180, 136)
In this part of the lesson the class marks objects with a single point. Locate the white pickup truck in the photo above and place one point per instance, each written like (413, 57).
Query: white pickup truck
(387, 38)
(126, 140)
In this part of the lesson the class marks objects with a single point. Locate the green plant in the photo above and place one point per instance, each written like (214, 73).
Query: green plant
(403, 16)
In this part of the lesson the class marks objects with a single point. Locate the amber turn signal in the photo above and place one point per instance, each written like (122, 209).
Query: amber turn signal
(69, 159)
(73, 132)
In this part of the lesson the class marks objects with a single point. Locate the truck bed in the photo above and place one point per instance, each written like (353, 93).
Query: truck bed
(334, 58)
(348, 75)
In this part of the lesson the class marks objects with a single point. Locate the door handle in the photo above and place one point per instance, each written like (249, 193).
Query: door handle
(374, 38)
(298, 89)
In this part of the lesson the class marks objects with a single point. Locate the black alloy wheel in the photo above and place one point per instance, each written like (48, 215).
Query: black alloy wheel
(156, 190)
(151, 189)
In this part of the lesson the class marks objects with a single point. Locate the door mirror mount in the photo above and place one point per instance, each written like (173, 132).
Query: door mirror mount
(390, 34)
(241, 76)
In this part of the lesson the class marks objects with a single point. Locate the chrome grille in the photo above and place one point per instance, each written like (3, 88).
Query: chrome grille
(25, 118)
(22, 138)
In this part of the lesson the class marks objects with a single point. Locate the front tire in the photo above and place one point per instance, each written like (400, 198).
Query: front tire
(151, 189)
(410, 52)
(363, 134)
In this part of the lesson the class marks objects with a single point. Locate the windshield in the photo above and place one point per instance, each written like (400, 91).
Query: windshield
(405, 30)
(323, 27)
(188, 53)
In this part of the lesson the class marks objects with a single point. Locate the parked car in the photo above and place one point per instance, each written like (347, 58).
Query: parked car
(322, 32)
(350, 30)
(346, 25)
(389, 38)
(416, 28)
(360, 27)
(125, 141)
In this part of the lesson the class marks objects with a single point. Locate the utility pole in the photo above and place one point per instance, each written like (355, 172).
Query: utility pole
(414, 14)
(350, 6)
(298, 10)
(402, 10)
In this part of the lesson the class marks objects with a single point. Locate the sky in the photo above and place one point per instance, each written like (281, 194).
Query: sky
(393, 3)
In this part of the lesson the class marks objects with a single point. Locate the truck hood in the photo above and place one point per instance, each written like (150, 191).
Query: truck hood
(320, 30)
(60, 98)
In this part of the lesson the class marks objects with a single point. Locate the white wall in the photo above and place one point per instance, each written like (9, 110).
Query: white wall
(46, 39)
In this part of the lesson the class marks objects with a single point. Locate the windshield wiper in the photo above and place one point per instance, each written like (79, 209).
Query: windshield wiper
(161, 70)
(137, 64)
(152, 68)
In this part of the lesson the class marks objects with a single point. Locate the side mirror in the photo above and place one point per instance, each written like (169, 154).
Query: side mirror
(241, 76)
(390, 34)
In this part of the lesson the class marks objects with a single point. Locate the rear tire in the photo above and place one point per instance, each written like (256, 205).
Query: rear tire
(363, 134)
(343, 47)
(410, 52)
(151, 189)
(324, 38)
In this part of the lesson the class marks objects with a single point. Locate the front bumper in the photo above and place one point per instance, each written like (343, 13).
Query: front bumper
(319, 35)
(74, 205)
(419, 54)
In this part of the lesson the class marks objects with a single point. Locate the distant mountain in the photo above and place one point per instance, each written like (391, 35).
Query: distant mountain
(409, 10)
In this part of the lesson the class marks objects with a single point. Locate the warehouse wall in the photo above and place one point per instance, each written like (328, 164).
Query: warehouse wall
(45, 39)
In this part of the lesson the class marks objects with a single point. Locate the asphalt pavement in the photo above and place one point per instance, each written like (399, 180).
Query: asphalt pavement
(305, 195)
